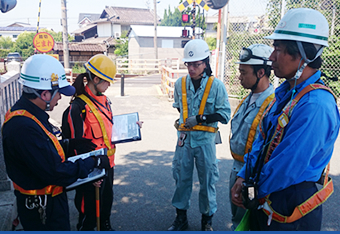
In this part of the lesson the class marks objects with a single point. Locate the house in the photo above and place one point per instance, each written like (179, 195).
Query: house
(112, 22)
(87, 18)
(14, 30)
(211, 21)
(170, 42)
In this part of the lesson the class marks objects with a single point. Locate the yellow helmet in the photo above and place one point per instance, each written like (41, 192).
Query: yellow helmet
(102, 66)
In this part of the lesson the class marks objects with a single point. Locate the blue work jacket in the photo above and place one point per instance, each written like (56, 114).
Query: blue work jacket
(217, 102)
(308, 141)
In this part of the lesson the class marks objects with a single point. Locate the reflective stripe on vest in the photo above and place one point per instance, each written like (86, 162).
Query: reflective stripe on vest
(106, 139)
(198, 127)
(252, 130)
(317, 198)
(50, 189)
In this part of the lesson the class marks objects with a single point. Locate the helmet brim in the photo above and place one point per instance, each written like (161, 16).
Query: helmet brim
(67, 91)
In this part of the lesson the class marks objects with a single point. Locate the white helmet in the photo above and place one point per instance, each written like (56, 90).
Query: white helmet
(302, 24)
(44, 72)
(257, 54)
(196, 50)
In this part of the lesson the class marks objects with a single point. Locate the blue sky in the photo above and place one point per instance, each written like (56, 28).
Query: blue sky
(26, 11)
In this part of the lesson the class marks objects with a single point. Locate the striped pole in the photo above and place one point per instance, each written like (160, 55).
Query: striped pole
(38, 16)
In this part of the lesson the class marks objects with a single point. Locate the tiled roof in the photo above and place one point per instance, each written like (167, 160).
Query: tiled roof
(127, 15)
(90, 16)
(22, 29)
(80, 46)
(84, 29)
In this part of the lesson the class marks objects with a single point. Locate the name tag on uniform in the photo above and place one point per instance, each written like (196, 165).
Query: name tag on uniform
(283, 120)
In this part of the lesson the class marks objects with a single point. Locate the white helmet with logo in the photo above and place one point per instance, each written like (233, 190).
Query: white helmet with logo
(302, 24)
(196, 50)
(256, 54)
(44, 72)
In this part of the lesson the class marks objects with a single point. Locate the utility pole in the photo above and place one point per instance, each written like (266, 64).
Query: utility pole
(155, 26)
(65, 34)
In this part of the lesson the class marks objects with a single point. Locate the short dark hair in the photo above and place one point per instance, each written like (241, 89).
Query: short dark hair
(207, 70)
(310, 50)
(267, 69)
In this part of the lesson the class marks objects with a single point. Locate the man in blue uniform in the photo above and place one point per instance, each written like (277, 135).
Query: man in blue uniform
(35, 159)
(297, 133)
(255, 69)
(202, 101)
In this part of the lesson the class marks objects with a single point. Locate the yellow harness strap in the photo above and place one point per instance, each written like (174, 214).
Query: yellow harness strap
(252, 130)
(198, 127)
(50, 189)
(94, 110)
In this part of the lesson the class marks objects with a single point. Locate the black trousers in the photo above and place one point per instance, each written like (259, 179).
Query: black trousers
(284, 203)
(85, 202)
(57, 214)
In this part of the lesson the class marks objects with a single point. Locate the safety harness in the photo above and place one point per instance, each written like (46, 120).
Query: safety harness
(317, 198)
(198, 127)
(252, 130)
(96, 113)
(54, 190)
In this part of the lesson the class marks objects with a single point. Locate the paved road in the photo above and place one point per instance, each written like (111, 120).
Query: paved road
(143, 184)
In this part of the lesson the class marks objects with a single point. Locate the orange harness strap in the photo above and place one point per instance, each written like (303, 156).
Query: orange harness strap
(107, 141)
(303, 209)
(252, 130)
(198, 127)
(50, 189)
(317, 198)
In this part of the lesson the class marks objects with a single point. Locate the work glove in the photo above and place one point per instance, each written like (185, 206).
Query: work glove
(80, 145)
(102, 161)
(190, 122)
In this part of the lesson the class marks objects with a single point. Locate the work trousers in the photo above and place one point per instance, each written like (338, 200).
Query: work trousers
(204, 157)
(85, 202)
(284, 202)
(236, 211)
(57, 213)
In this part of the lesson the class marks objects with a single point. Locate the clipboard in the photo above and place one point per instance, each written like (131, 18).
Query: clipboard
(95, 175)
(125, 128)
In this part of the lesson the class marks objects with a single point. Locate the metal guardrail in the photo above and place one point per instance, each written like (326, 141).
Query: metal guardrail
(10, 92)
(145, 66)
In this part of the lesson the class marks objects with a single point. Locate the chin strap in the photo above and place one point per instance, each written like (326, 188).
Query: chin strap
(304, 57)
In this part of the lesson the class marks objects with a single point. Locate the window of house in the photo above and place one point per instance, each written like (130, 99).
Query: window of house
(15, 36)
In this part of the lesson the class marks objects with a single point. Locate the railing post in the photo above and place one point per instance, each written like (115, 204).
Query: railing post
(122, 85)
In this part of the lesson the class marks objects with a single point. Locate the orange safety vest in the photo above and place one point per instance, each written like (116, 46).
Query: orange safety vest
(198, 127)
(317, 198)
(50, 189)
(106, 137)
(253, 127)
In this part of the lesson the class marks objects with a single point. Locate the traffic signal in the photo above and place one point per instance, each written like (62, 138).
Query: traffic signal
(185, 18)
(7, 5)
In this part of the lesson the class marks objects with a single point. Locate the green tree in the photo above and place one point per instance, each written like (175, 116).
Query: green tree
(122, 47)
(57, 36)
(24, 44)
(211, 42)
(6, 43)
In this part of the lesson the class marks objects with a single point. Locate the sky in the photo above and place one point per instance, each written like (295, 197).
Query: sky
(26, 11)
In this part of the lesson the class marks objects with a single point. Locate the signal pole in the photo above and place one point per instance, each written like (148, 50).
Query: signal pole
(193, 12)
(65, 34)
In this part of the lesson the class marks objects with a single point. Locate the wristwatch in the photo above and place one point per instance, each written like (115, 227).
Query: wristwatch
(203, 118)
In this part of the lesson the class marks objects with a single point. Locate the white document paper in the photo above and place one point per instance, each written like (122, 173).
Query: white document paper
(95, 174)
(125, 128)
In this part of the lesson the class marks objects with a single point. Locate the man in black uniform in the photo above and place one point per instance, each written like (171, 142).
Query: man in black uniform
(35, 159)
